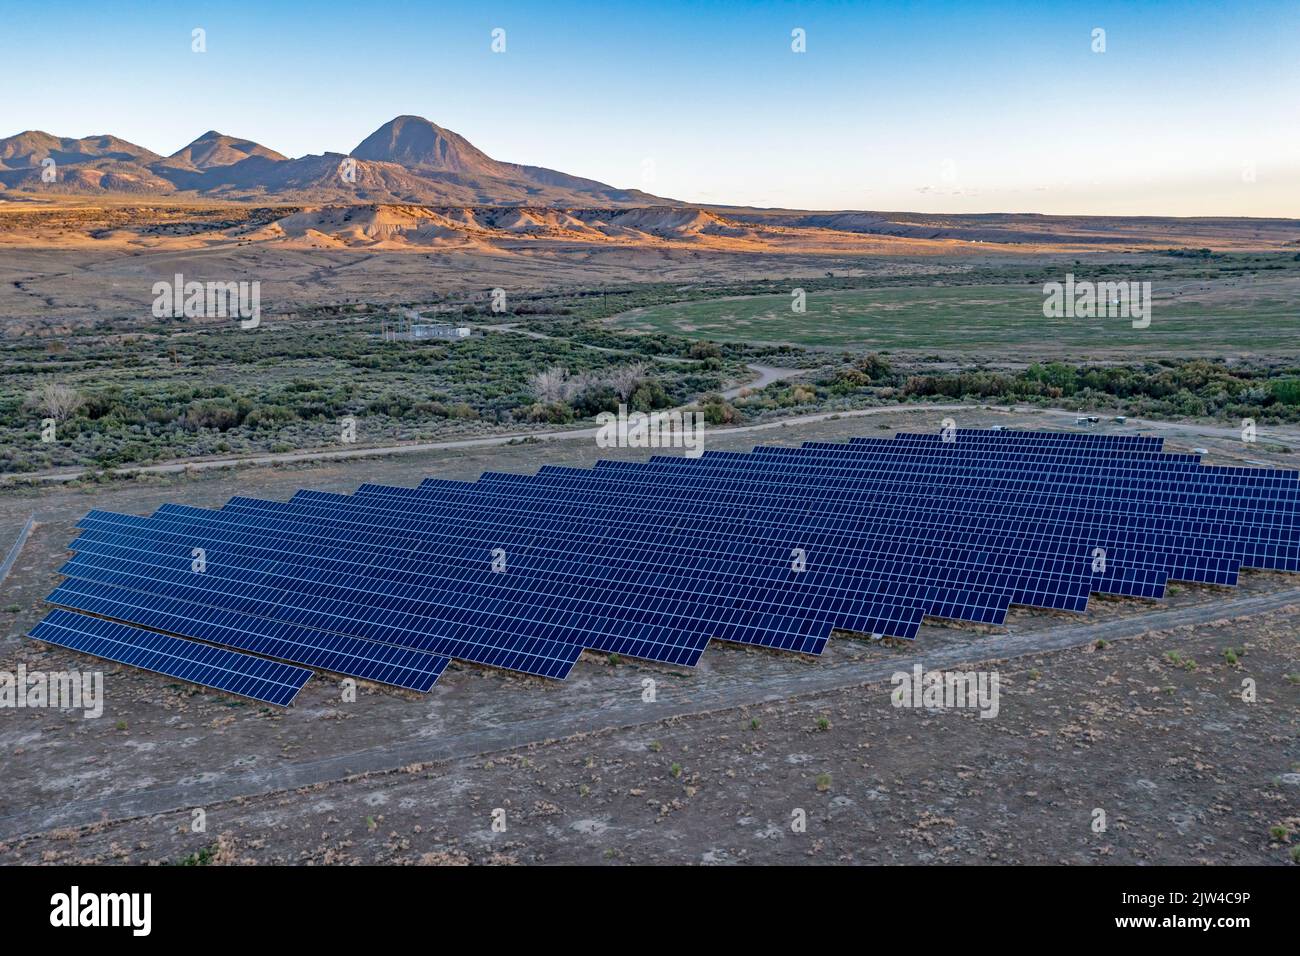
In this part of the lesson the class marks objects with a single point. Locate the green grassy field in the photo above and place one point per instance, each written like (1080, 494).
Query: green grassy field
(1188, 319)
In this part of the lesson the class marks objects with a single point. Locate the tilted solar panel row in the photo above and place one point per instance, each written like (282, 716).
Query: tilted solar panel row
(1186, 469)
(1272, 513)
(1261, 521)
(1265, 548)
(696, 497)
(803, 493)
(472, 633)
(1267, 509)
(917, 444)
(501, 535)
(537, 614)
(554, 513)
(346, 537)
(1120, 465)
(1010, 436)
(807, 522)
(1273, 478)
(482, 526)
(462, 639)
(1059, 455)
(744, 563)
(794, 520)
(1253, 524)
(855, 465)
(886, 462)
(872, 537)
(367, 660)
(202, 664)
(926, 442)
(418, 565)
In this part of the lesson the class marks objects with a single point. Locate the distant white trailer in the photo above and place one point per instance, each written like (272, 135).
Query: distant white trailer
(428, 331)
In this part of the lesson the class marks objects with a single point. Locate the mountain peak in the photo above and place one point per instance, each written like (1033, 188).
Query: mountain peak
(214, 149)
(417, 143)
(30, 147)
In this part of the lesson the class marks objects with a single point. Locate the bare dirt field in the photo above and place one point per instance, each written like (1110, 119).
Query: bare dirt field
(1149, 726)
(71, 287)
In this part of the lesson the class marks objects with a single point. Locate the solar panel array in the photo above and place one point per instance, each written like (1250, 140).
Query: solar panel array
(775, 548)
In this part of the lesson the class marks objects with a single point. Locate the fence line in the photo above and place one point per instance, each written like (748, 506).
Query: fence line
(12, 556)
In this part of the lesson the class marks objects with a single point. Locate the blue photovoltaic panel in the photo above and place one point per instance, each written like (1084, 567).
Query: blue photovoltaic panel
(428, 565)
(468, 636)
(733, 517)
(202, 664)
(551, 514)
(1007, 436)
(697, 530)
(367, 660)
(733, 564)
(811, 483)
(653, 559)
(851, 475)
(616, 583)
(964, 499)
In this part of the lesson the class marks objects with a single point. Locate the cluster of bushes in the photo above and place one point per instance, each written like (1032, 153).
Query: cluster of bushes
(141, 397)
(1166, 389)
(217, 407)
(1193, 388)
(562, 396)
(718, 411)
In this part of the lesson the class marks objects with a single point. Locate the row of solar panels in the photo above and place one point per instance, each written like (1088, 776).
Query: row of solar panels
(775, 548)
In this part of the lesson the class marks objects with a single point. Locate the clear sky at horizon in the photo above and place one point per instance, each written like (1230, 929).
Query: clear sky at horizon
(1193, 108)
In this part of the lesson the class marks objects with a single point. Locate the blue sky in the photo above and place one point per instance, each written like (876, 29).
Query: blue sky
(1193, 108)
